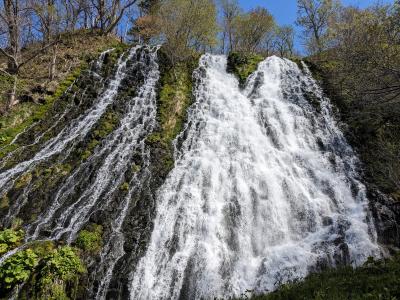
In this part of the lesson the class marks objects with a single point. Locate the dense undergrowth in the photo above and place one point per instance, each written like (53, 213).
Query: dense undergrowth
(44, 269)
(376, 279)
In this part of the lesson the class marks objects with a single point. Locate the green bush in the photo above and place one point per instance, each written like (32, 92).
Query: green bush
(90, 240)
(10, 239)
(59, 269)
(17, 269)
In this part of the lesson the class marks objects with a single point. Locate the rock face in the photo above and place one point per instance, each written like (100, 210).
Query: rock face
(386, 212)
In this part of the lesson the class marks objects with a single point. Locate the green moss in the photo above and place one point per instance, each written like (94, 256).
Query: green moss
(107, 124)
(4, 202)
(43, 248)
(49, 176)
(90, 240)
(374, 280)
(25, 114)
(23, 181)
(124, 187)
(135, 168)
(174, 98)
(243, 65)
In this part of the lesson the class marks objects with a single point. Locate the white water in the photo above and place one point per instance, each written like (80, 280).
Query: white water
(264, 188)
(115, 152)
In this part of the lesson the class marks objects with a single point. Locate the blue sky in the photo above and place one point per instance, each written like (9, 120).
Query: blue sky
(285, 11)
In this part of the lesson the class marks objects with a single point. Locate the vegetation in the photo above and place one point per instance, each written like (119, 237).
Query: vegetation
(29, 112)
(17, 269)
(253, 32)
(376, 279)
(90, 240)
(242, 65)
(314, 16)
(174, 98)
(60, 268)
(185, 25)
(48, 271)
(10, 239)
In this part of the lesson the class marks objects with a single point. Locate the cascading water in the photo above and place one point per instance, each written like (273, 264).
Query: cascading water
(73, 133)
(94, 187)
(264, 189)
(110, 161)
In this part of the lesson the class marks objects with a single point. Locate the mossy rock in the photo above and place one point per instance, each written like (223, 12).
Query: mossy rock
(90, 239)
(243, 65)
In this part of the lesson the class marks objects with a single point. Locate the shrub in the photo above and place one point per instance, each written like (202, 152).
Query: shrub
(90, 240)
(17, 269)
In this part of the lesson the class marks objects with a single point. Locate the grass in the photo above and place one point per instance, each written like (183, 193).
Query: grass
(75, 52)
(376, 279)
(174, 98)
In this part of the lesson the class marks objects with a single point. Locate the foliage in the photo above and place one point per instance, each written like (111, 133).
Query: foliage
(49, 272)
(250, 29)
(90, 240)
(314, 17)
(374, 280)
(230, 11)
(10, 239)
(363, 81)
(61, 267)
(17, 269)
(284, 42)
(185, 26)
(242, 65)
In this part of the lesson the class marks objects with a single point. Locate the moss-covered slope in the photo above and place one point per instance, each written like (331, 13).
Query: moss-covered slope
(374, 280)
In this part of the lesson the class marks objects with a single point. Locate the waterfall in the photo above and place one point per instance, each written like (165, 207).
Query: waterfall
(110, 162)
(72, 133)
(264, 190)
(94, 186)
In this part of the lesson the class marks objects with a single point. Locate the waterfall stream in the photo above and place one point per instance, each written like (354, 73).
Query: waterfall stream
(264, 190)
(265, 187)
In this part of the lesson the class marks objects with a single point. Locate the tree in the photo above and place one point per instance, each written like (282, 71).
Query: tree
(184, 26)
(313, 16)
(230, 11)
(145, 28)
(284, 41)
(110, 12)
(49, 15)
(146, 6)
(250, 29)
(17, 18)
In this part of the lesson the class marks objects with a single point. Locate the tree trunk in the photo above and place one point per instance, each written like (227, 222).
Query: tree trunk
(53, 65)
(13, 100)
